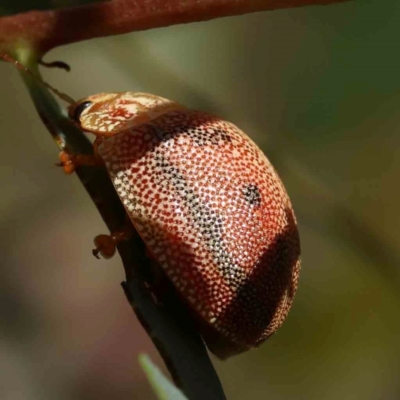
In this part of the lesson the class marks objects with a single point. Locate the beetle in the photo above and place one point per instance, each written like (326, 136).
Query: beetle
(209, 206)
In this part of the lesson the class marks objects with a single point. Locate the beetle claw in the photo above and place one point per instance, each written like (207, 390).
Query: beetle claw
(67, 162)
(96, 252)
(106, 245)
(70, 162)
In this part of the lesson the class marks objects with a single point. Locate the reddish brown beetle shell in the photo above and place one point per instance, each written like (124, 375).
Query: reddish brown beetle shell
(210, 208)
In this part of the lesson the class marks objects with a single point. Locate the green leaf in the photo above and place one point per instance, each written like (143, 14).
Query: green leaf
(163, 388)
(10, 7)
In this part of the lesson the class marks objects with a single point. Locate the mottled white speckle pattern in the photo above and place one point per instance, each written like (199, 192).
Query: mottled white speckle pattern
(214, 213)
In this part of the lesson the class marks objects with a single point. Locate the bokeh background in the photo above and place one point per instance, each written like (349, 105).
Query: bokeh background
(318, 88)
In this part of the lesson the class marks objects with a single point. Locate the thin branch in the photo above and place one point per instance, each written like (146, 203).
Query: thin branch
(168, 325)
(44, 30)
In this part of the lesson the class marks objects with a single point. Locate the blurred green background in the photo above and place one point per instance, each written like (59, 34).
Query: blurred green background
(318, 88)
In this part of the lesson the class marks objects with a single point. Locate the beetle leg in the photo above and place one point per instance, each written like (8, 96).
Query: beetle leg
(106, 244)
(70, 162)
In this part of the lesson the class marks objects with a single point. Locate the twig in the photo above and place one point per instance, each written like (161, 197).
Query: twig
(44, 30)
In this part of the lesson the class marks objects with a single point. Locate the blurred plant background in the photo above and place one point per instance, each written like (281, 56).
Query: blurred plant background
(318, 88)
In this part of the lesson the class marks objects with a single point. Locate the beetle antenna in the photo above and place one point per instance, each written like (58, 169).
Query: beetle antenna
(61, 95)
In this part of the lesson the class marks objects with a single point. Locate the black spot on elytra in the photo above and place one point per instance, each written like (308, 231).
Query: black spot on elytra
(202, 129)
(203, 136)
(252, 194)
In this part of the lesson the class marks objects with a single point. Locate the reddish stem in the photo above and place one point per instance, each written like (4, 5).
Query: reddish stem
(43, 30)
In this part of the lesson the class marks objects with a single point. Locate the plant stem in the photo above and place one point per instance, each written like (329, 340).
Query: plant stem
(45, 30)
